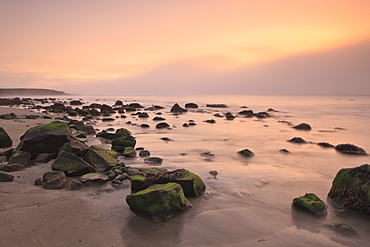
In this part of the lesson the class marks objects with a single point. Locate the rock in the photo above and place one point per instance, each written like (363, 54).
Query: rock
(350, 149)
(47, 138)
(129, 152)
(3, 159)
(118, 102)
(80, 134)
(191, 105)
(210, 121)
(248, 113)
(185, 125)
(75, 185)
(5, 177)
(142, 115)
(262, 115)
(166, 139)
(351, 189)
(54, 180)
(75, 147)
(144, 153)
(310, 203)
(153, 160)
(207, 154)
(135, 105)
(5, 140)
(160, 201)
(71, 164)
(162, 125)
(75, 102)
(177, 109)
(12, 167)
(341, 228)
(159, 119)
(93, 179)
(8, 116)
(144, 126)
(217, 105)
(121, 143)
(229, 116)
(101, 159)
(109, 119)
(302, 126)
(284, 151)
(298, 140)
(246, 153)
(150, 171)
(45, 158)
(325, 145)
(20, 157)
(88, 129)
(38, 182)
(8, 153)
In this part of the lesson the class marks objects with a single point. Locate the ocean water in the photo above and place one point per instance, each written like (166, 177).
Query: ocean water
(249, 204)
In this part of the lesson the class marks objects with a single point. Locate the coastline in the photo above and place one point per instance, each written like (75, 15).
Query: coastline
(33, 216)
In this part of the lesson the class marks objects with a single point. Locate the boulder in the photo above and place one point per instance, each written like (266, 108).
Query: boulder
(153, 160)
(80, 134)
(88, 129)
(12, 167)
(20, 157)
(177, 109)
(162, 125)
(142, 115)
(350, 149)
(351, 189)
(101, 159)
(129, 152)
(191, 105)
(47, 138)
(160, 201)
(93, 179)
(75, 147)
(297, 140)
(246, 153)
(54, 180)
(341, 228)
(118, 102)
(159, 119)
(45, 157)
(310, 203)
(71, 164)
(144, 153)
(5, 177)
(5, 140)
(302, 126)
(121, 143)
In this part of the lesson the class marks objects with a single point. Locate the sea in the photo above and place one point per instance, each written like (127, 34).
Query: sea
(249, 202)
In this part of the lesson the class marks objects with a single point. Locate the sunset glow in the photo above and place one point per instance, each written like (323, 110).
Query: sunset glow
(51, 41)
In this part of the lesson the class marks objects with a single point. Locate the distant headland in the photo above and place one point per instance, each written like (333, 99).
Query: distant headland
(28, 91)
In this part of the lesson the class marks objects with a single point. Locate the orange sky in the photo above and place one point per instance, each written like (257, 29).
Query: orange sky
(50, 43)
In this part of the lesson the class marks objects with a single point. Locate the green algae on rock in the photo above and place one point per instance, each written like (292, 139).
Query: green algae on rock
(341, 228)
(153, 160)
(351, 189)
(71, 164)
(100, 158)
(246, 153)
(20, 157)
(311, 203)
(93, 178)
(12, 167)
(129, 152)
(75, 147)
(159, 201)
(54, 180)
(47, 138)
(120, 143)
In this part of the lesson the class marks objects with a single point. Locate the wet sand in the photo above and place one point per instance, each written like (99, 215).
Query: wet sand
(32, 216)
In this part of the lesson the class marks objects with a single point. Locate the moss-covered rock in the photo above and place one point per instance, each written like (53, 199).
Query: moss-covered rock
(93, 179)
(144, 153)
(246, 153)
(122, 142)
(153, 160)
(350, 149)
(20, 157)
(47, 138)
(138, 183)
(80, 134)
(341, 228)
(129, 152)
(160, 201)
(71, 164)
(311, 203)
(88, 129)
(100, 158)
(5, 140)
(351, 189)
(191, 183)
(54, 180)
(12, 167)
(76, 147)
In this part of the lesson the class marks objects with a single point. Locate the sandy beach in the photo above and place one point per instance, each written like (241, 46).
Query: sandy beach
(32, 216)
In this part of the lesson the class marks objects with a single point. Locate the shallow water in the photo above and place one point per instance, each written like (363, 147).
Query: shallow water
(249, 204)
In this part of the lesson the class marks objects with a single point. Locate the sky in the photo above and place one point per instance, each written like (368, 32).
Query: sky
(186, 47)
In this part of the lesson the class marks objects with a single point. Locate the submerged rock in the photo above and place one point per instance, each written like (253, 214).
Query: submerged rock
(341, 228)
(310, 203)
(5, 140)
(302, 126)
(246, 153)
(71, 164)
(350, 149)
(47, 138)
(351, 189)
(159, 201)
(298, 140)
